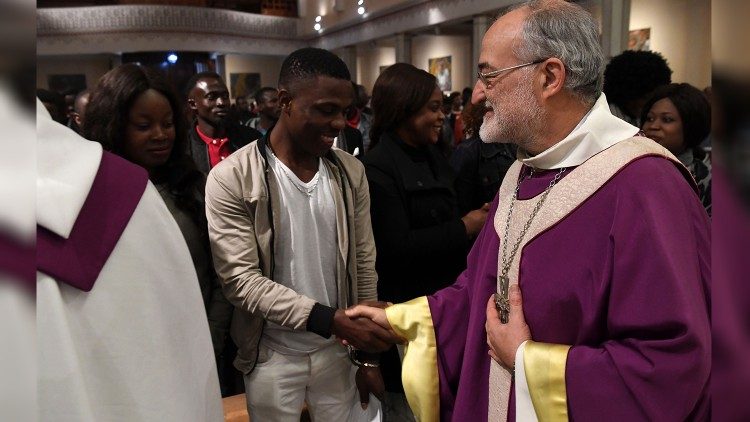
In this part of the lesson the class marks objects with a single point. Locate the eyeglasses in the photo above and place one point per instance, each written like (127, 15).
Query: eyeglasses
(485, 77)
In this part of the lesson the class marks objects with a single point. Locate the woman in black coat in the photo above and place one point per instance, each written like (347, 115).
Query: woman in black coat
(421, 238)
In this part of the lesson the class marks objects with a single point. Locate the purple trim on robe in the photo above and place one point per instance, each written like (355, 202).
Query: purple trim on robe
(624, 279)
(114, 196)
(17, 261)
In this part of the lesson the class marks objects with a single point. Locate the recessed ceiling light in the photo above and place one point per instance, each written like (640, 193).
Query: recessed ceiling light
(361, 10)
(317, 27)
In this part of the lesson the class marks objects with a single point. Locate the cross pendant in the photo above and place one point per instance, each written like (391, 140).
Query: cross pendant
(503, 306)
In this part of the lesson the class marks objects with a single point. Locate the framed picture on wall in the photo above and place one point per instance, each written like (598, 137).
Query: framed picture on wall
(640, 39)
(441, 68)
(67, 84)
(242, 84)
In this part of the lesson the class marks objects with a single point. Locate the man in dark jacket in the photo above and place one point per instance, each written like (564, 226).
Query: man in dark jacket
(215, 134)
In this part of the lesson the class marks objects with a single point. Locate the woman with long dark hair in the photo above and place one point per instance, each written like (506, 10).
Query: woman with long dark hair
(678, 116)
(422, 239)
(133, 112)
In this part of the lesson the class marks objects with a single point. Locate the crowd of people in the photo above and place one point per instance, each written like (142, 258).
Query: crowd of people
(587, 188)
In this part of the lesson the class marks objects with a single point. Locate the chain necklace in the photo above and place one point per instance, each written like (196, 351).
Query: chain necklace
(502, 302)
(308, 191)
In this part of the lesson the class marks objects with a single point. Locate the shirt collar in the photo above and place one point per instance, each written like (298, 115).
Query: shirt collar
(207, 139)
(597, 131)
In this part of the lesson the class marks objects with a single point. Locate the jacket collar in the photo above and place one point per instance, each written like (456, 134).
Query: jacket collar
(597, 131)
(265, 141)
(417, 177)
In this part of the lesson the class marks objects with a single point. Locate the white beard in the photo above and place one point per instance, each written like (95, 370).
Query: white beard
(517, 120)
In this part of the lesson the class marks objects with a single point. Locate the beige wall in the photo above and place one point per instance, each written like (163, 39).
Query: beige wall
(681, 31)
(369, 59)
(267, 66)
(425, 47)
(93, 66)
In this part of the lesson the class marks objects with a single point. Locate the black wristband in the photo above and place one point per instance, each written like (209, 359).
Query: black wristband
(320, 320)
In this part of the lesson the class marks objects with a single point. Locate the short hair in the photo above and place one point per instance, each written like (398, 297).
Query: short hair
(309, 62)
(259, 93)
(568, 32)
(634, 74)
(399, 93)
(198, 76)
(694, 109)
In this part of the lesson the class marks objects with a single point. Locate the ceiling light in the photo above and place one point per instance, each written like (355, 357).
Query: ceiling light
(318, 18)
(361, 2)
(361, 10)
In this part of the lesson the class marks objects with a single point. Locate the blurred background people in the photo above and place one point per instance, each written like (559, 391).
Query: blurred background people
(79, 110)
(269, 110)
(479, 166)
(422, 239)
(241, 109)
(359, 115)
(630, 78)
(678, 116)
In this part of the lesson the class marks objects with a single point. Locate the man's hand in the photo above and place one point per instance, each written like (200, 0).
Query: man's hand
(369, 380)
(372, 311)
(474, 220)
(504, 339)
(362, 333)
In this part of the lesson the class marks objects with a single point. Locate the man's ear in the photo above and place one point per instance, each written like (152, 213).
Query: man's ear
(191, 104)
(285, 100)
(553, 77)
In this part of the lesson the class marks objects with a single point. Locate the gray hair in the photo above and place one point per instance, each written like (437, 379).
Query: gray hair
(568, 32)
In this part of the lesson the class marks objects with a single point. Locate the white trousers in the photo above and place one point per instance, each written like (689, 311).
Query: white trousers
(280, 384)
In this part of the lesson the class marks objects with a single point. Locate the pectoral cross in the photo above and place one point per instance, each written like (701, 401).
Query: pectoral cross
(502, 303)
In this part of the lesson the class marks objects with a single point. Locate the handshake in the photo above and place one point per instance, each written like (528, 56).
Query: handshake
(365, 327)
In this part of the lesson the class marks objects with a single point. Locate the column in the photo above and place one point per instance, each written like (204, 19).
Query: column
(221, 66)
(481, 24)
(403, 48)
(615, 26)
(349, 56)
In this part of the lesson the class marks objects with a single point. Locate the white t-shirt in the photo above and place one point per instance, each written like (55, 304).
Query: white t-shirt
(305, 250)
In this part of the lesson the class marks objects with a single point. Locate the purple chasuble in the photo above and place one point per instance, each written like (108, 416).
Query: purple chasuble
(114, 196)
(624, 279)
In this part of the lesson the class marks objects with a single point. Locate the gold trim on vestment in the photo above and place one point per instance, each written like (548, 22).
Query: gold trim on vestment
(419, 371)
(544, 365)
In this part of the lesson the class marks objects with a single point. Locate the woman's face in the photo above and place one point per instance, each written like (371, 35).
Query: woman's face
(423, 128)
(150, 131)
(664, 125)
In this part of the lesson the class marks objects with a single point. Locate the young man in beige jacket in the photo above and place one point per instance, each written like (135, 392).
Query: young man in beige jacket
(289, 222)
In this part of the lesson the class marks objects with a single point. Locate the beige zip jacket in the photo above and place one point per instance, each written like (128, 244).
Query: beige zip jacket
(241, 194)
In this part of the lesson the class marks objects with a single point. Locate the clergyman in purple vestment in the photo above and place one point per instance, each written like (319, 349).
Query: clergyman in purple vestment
(586, 295)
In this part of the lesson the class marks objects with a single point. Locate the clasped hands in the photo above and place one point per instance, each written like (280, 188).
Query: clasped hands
(365, 327)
